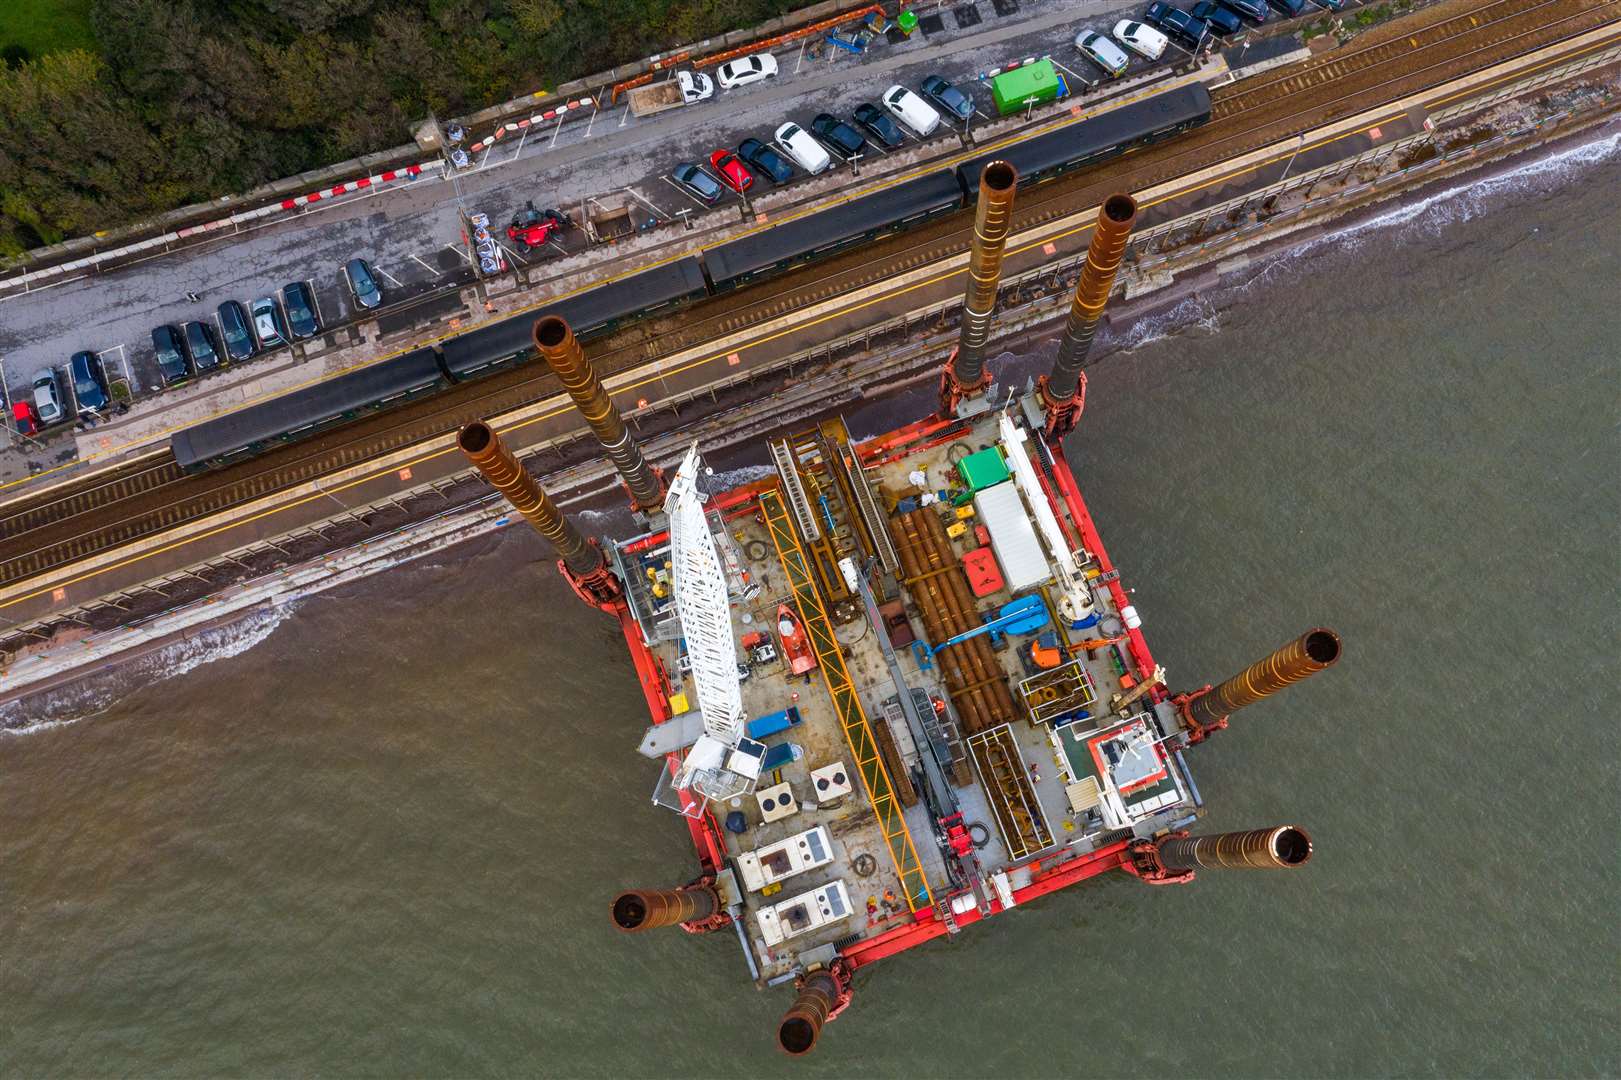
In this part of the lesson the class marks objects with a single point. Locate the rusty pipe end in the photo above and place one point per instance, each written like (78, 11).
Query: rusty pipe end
(999, 177)
(1323, 646)
(475, 438)
(1290, 846)
(802, 1024)
(630, 911)
(550, 333)
(1119, 210)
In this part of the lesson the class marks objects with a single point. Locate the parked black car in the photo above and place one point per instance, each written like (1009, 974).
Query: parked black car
(1288, 8)
(1177, 23)
(362, 284)
(1252, 10)
(878, 124)
(89, 382)
(837, 136)
(1218, 18)
(766, 161)
(239, 342)
(696, 181)
(205, 352)
(950, 100)
(173, 363)
(300, 304)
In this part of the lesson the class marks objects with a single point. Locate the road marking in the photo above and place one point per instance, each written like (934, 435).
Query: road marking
(590, 122)
(511, 252)
(463, 252)
(390, 276)
(801, 58)
(633, 193)
(316, 300)
(558, 130)
(626, 114)
(519, 151)
(430, 269)
(485, 160)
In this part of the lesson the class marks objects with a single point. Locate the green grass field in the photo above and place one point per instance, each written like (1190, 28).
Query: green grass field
(44, 26)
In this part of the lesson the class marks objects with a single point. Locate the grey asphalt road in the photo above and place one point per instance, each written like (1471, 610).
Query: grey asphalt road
(411, 233)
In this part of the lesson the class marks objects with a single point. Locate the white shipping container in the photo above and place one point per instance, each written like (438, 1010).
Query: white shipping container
(1013, 537)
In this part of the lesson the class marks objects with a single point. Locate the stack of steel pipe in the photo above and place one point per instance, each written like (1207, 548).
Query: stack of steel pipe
(557, 343)
(1278, 848)
(1306, 655)
(974, 679)
(489, 454)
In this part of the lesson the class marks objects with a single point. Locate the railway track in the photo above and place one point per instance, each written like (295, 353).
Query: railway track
(152, 495)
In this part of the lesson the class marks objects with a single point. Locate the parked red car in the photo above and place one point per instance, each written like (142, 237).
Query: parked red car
(22, 415)
(731, 170)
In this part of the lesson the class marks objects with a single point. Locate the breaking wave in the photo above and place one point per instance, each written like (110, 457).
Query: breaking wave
(84, 698)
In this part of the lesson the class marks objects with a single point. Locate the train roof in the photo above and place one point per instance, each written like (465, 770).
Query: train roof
(302, 408)
(586, 311)
(1100, 135)
(835, 226)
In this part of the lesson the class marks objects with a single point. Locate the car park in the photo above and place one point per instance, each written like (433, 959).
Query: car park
(300, 304)
(1177, 23)
(696, 182)
(801, 149)
(89, 382)
(838, 136)
(1219, 19)
(237, 331)
(947, 98)
(47, 398)
(1103, 52)
(877, 123)
(173, 363)
(362, 284)
(1288, 8)
(205, 353)
(1253, 11)
(917, 115)
(731, 170)
(746, 70)
(269, 323)
(765, 160)
(23, 418)
(1140, 38)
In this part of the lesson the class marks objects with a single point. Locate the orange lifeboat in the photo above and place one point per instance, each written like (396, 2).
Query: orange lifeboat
(794, 643)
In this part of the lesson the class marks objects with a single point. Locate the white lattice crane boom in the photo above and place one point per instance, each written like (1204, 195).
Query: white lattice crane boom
(701, 605)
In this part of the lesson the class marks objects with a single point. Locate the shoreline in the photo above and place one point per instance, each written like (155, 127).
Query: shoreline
(1203, 271)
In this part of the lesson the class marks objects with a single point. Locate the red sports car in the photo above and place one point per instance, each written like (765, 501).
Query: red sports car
(732, 172)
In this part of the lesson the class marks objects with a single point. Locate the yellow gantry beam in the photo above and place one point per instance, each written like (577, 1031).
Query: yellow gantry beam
(857, 731)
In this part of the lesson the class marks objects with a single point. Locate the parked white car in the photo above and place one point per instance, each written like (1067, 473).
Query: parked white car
(745, 70)
(1103, 52)
(911, 110)
(695, 86)
(1140, 38)
(803, 148)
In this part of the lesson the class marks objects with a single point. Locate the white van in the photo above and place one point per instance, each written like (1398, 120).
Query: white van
(911, 110)
(806, 152)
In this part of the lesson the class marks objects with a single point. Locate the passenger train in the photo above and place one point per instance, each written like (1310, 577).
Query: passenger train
(596, 311)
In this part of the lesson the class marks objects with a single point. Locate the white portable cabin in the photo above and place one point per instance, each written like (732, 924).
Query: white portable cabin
(822, 906)
(786, 858)
(1013, 538)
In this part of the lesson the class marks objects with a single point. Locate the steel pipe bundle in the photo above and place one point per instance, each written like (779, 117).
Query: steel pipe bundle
(1115, 218)
(1277, 848)
(1308, 654)
(993, 221)
(802, 1023)
(489, 454)
(643, 909)
(557, 343)
(974, 679)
